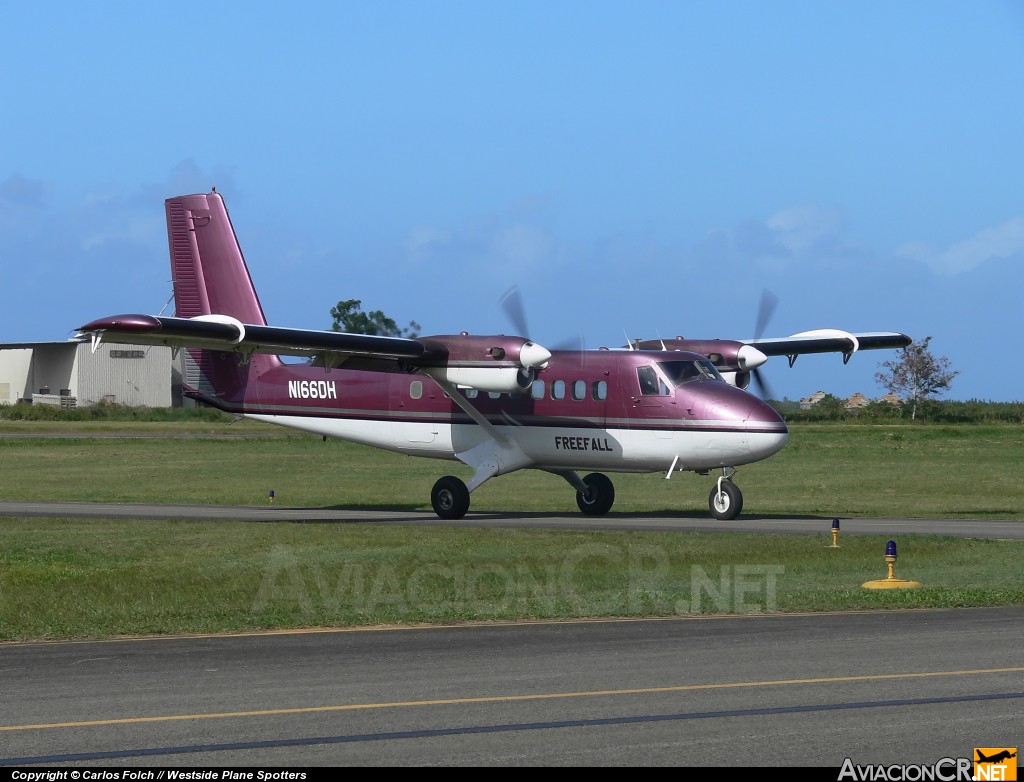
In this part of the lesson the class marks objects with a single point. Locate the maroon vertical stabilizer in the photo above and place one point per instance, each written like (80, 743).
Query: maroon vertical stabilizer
(211, 278)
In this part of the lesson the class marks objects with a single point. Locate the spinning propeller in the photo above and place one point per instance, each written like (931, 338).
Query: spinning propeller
(764, 313)
(512, 303)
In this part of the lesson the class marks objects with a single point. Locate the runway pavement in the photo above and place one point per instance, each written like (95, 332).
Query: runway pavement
(976, 528)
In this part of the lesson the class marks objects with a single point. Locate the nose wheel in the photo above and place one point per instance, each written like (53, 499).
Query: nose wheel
(725, 500)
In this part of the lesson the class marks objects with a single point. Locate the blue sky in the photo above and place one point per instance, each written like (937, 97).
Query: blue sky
(641, 168)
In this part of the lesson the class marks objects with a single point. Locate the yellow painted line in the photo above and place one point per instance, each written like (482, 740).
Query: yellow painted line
(507, 698)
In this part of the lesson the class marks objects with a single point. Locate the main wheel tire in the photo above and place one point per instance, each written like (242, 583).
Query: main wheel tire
(726, 505)
(450, 498)
(599, 497)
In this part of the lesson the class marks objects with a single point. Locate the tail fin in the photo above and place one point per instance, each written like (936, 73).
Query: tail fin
(211, 278)
(210, 275)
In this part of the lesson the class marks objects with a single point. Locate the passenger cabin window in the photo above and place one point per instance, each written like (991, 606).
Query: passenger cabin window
(471, 393)
(600, 390)
(558, 389)
(579, 390)
(537, 389)
(494, 394)
(416, 389)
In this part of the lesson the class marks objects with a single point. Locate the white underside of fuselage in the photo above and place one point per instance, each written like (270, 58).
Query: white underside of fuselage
(555, 448)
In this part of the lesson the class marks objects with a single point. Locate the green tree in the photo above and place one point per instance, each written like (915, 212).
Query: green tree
(349, 317)
(916, 375)
(830, 407)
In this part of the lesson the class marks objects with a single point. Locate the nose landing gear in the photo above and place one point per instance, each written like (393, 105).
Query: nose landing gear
(726, 499)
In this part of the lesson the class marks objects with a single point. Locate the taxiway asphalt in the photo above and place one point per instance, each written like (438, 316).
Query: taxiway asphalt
(885, 687)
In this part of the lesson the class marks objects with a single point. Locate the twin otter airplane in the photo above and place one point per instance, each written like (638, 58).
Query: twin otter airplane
(496, 403)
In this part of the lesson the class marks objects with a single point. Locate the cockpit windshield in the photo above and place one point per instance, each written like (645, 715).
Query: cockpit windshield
(686, 370)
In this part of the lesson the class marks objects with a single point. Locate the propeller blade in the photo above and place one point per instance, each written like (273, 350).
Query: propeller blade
(765, 312)
(512, 303)
(572, 343)
(763, 390)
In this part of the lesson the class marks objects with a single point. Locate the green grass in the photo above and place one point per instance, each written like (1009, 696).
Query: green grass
(827, 470)
(69, 579)
(64, 578)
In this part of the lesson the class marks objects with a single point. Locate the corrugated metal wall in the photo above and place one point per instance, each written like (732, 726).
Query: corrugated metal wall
(124, 374)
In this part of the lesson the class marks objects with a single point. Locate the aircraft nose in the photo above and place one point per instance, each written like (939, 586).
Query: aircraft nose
(766, 431)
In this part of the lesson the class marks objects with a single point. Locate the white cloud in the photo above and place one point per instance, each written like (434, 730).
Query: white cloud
(424, 238)
(802, 228)
(522, 245)
(133, 229)
(1002, 241)
(790, 235)
(516, 240)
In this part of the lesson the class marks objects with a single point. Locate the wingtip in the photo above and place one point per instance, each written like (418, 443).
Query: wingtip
(122, 323)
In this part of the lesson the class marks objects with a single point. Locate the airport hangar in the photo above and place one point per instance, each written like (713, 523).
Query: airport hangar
(70, 374)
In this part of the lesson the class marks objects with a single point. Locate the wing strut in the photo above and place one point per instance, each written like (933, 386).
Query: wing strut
(497, 455)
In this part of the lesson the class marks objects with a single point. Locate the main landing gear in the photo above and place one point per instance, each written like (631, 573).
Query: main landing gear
(595, 495)
(450, 497)
(599, 495)
(726, 499)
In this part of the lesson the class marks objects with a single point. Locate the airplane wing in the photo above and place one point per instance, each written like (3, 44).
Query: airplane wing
(498, 362)
(219, 332)
(829, 341)
(748, 354)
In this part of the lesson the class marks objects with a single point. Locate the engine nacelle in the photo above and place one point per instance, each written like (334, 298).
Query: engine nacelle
(731, 358)
(507, 380)
(496, 363)
(738, 379)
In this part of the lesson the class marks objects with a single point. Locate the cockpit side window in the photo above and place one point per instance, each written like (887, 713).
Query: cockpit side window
(648, 381)
(651, 383)
(709, 369)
